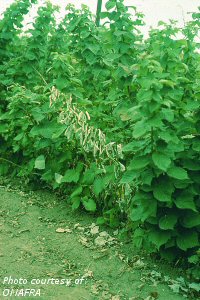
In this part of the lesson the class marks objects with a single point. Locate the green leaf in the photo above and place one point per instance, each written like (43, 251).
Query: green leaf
(145, 95)
(196, 146)
(77, 192)
(58, 178)
(76, 81)
(194, 259)
(147, 176)
(176, 145)
(140, 129)
(110, 4)
(61, 83)
(59, 132)
(155, 121)
(168, 114)
(167, 136)
(138, 237)
(40, 162)
(93, 47)
(135, 146)
(104, 14)
(178, 173)
(138, 163)
(191, 219)
(191, 164)
(187, 240)
(47, 176)
(167, 222)
(161, 161)
(75, 203)
(19, 136)
(146, 207)
(77, 93)
(46, 129)
(90, 57)
(37, 114)
(159, 237)
(128, 177)
(163, 189)
(88, 177)
(167, 83)
(100, 221)
(185, 200)
(71, 175)
(89, 204)
(98, 186)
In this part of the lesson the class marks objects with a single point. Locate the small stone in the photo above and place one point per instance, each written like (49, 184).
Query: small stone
(100, 241)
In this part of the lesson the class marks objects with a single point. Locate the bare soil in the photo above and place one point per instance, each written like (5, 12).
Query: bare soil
(41, 238)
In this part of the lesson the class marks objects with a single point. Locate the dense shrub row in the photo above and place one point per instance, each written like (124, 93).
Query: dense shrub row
(110, 118)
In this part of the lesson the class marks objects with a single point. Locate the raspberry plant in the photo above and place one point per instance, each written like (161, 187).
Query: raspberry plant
(72, 93)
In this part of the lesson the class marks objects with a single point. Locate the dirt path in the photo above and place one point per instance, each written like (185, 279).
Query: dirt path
(41, 239)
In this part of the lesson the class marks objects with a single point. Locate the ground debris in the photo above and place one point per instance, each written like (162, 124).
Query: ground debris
(63, 230)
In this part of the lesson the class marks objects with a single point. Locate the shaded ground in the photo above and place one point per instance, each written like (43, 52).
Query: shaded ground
(42, 239)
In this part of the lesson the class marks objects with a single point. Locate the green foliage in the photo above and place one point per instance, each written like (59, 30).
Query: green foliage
(164, 138)
(81, 104)
(40, 162)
